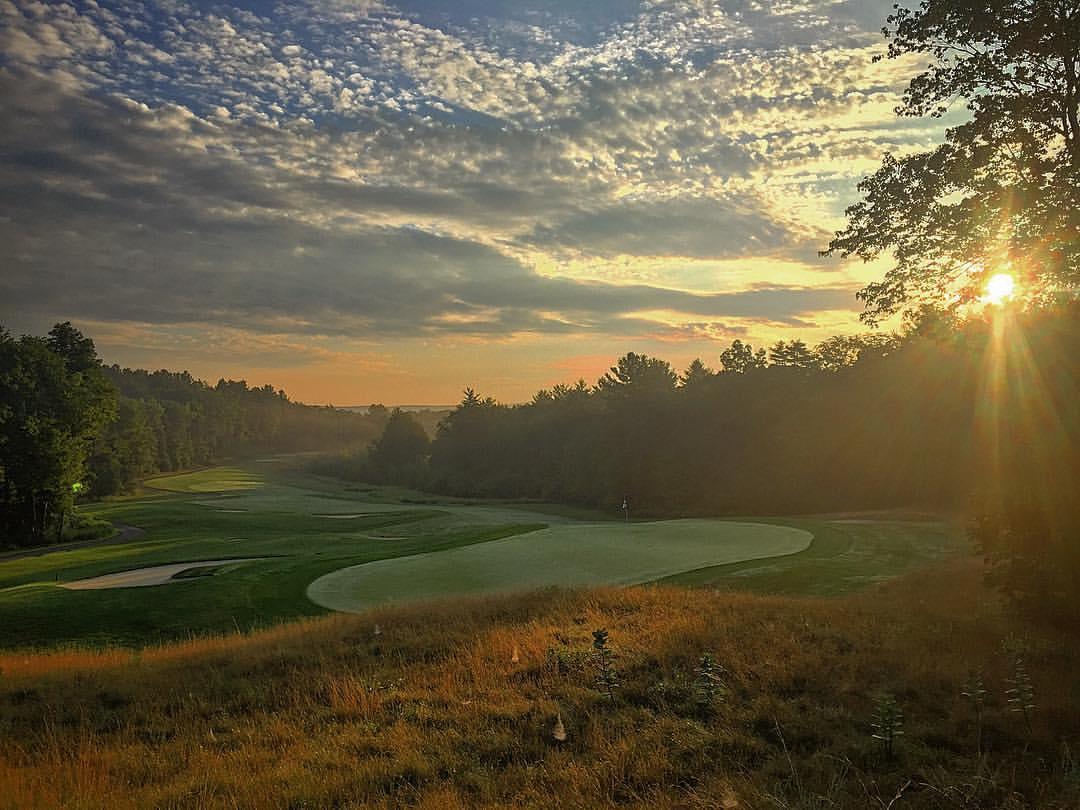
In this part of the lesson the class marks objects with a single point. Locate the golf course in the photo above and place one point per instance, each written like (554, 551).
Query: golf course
(239, 548)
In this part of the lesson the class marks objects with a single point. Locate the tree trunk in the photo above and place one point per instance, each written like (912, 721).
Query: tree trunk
(33, 519)
(44, 521)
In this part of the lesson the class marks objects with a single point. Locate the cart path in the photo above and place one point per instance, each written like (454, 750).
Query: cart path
(124, 534)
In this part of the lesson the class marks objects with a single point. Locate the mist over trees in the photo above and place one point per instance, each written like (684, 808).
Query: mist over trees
(857, 422)
(171, 421)
(70, 427)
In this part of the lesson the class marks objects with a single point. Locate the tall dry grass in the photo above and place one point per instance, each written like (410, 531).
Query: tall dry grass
(435, 712)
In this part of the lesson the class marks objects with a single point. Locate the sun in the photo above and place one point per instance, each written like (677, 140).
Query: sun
(999, 288)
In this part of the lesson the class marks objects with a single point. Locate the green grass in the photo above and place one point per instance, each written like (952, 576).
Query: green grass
(567, 555)
(844, 557)
(215, 479)
(35, 611)
(262, 512)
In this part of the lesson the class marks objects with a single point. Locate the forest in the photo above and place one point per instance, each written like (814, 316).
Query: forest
(858, 422)
(72, 428)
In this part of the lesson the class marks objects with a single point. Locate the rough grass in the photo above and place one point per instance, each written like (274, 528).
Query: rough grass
(435, 712)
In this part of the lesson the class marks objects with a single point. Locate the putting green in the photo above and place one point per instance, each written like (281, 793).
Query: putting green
(565, 555)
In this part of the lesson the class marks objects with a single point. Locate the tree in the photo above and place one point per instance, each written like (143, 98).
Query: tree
(54, 403)
(740, 357)
(76, 350)
(695, 373)
(841, 351)
(1002, 193)
(403, 446)
(638, 373)
(795, 354)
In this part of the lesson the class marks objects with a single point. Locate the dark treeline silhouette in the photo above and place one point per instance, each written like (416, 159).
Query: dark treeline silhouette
(863, 422)
(70, 427)
(171, 421)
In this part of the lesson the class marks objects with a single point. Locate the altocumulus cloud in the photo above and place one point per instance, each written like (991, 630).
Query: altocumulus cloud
(367, 168)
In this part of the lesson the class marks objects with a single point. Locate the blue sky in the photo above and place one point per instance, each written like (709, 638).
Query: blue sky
(371, 201)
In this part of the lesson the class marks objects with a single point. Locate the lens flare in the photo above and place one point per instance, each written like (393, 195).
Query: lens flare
(999, 288)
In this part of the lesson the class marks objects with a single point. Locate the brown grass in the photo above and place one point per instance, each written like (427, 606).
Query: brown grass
(433, 713)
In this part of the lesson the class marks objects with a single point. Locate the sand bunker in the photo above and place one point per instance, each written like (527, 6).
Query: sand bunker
(142, 577)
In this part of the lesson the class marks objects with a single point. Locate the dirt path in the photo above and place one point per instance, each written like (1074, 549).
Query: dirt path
(124, 534)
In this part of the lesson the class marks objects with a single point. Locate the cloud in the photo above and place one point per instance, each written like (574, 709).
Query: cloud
(374, 169)
(684, 227)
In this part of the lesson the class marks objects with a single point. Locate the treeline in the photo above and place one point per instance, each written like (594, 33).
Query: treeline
(860, 422)
(171, 421)
(71, 427)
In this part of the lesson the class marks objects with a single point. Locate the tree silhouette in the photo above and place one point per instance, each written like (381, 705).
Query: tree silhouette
(740, 357)
(1003, 190)
(638, 373)
(695, 373)
(402, 448)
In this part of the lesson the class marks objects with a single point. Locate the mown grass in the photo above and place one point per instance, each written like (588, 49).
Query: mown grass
(453, 705)
(568, 555)
(277, 519)
(36, 611)
(213, 479)
(254, 595)
(844, 557)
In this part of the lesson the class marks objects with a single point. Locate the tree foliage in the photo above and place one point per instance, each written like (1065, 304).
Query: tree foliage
(402, 448)
(740, 357)
(635, 374)
(54, 403)
(67, 422)
(1002, 192)
(854, 428)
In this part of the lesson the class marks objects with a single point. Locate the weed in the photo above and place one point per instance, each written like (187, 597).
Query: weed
(1021, 694)
(709, 686)
(887, 723)
(974, 692)
(607, 678)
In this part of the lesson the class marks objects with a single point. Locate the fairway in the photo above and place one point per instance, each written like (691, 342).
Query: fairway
(325, 546)
(568, 555)
(215, 479)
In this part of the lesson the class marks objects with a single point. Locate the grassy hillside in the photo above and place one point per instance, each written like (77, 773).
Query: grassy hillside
(436, 710)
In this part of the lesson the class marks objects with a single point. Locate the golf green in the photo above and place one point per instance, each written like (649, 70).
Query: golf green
(565, 555)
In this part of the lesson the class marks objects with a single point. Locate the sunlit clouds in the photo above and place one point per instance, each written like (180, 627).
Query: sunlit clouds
(368, 179)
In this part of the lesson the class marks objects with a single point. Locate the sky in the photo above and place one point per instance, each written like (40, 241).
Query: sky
(362, 201)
